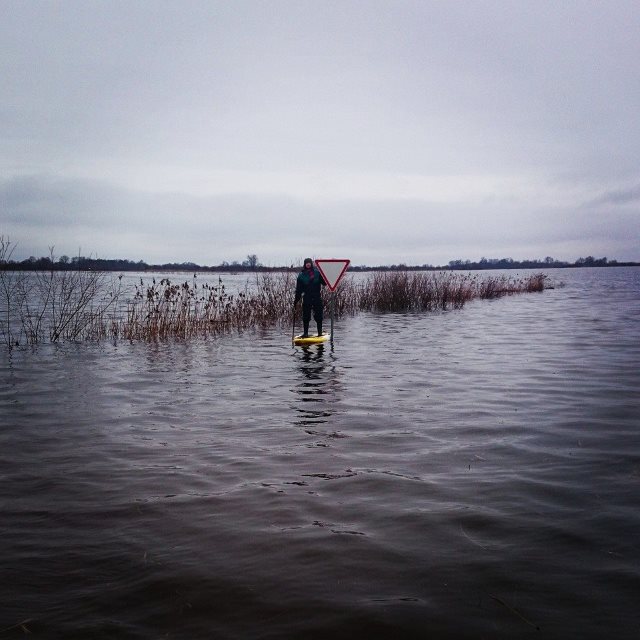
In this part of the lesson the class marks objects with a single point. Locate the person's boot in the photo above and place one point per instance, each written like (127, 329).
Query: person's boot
(306, 329)
(319, 328)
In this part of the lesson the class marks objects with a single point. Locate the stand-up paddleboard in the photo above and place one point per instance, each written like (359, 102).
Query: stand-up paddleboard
(311, 339)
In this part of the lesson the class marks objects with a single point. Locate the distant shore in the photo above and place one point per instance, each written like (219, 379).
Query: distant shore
(99, 264)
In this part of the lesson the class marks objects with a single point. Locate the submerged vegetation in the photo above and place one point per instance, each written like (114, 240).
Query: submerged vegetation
(165, 309)
(417, 291)
(59, 306)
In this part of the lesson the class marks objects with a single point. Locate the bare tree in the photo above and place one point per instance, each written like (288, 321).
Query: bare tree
(11, 288)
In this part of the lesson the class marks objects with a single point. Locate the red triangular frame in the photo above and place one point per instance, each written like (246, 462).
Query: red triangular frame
(332, 285)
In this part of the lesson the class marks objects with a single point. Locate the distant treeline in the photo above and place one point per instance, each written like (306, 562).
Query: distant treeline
(548, 263)
(502, 263)
(81, 263)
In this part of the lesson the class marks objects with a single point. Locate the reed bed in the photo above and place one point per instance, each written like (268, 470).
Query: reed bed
(82, 309)
(401, 291)
(164, 309)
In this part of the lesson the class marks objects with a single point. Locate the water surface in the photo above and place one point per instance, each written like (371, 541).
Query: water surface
(467, 474)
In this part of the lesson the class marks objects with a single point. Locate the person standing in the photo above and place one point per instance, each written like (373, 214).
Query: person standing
(309, 288)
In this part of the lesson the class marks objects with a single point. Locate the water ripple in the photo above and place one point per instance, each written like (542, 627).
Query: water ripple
(472, 473)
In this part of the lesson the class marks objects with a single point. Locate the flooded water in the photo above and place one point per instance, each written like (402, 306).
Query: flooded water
(464, 474)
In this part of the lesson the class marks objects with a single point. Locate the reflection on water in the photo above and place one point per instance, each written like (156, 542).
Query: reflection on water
(318, 389)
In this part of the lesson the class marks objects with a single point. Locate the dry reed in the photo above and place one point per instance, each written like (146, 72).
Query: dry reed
(78, 307)
(400, 291)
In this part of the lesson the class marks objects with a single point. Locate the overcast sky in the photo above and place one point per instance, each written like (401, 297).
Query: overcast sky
(380, 131)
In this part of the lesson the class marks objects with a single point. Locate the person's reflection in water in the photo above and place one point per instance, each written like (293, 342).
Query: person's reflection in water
(316, 389)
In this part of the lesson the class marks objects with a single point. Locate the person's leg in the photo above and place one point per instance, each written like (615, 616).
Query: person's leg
(306, 318)
(317, 314)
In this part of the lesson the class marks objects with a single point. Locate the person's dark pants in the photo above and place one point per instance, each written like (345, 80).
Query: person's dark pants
(315, 305)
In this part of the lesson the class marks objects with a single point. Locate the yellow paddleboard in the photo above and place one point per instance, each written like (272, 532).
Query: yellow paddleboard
(311, 339)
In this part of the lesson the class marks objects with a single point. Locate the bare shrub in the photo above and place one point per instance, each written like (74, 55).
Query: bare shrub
(56, 305)
(10, 291)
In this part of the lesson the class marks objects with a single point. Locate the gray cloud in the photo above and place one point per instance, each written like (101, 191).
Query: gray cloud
(409, 131)
(619, 197)
(110, 222)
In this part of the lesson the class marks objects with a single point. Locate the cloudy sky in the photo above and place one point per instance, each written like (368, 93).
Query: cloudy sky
(381, 131)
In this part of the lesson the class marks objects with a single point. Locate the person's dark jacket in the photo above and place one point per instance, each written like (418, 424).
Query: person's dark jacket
(309, 287)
